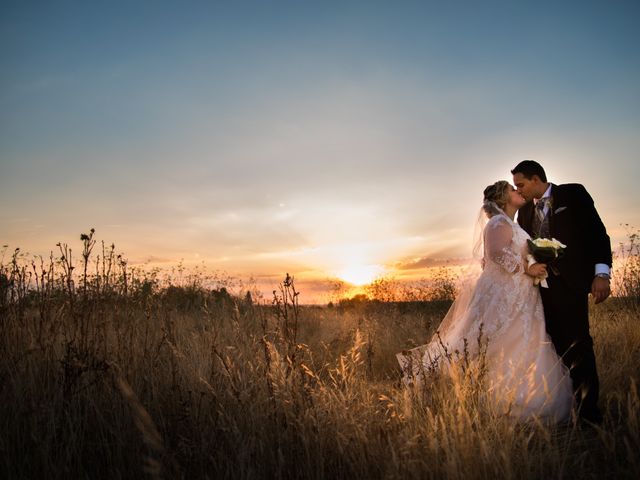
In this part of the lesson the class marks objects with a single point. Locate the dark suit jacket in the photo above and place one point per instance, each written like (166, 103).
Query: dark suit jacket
(575, 222)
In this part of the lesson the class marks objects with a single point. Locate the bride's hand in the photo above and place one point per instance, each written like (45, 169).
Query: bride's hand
(537, 270)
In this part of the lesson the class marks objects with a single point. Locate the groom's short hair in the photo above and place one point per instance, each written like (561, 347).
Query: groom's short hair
(529, 168)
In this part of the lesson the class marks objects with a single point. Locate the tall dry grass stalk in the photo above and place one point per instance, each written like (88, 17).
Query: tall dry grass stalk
(126, 377)
(626, 278)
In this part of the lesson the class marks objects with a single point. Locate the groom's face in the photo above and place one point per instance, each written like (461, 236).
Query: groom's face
(527, 187)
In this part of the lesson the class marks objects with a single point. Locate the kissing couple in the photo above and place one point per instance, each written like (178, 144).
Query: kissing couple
(539, 353)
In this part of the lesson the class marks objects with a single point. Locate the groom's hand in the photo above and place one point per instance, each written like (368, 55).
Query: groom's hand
(600, 289)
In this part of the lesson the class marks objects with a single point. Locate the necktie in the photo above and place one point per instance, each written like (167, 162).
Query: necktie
(540, 209)
(539, 216)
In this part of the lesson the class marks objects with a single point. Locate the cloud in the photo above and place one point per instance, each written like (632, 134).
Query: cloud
(417, 263)
(429, 262)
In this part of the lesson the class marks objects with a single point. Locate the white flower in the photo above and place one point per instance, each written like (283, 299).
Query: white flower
(546, 243)
(546, 251)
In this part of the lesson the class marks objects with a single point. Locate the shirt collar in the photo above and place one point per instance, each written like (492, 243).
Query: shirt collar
(546, 194)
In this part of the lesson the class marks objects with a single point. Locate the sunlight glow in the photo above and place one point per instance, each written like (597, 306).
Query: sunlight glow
(359, 275)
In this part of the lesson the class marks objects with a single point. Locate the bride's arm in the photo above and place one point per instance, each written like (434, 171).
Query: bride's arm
(499, 249)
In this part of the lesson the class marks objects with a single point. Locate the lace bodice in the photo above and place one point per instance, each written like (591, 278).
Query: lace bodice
(505, 245)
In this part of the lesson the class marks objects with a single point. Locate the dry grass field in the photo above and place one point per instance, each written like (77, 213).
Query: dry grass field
(105, 373)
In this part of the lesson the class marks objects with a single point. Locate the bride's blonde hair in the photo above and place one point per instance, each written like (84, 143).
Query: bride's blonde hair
(497, 193)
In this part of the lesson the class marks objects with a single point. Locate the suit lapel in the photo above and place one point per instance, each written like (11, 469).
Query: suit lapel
(554, 202)
(527, 212)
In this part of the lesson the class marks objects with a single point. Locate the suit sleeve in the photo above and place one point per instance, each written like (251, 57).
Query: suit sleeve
(594, 230)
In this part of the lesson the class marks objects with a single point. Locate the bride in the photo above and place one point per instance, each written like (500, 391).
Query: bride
(525, 376)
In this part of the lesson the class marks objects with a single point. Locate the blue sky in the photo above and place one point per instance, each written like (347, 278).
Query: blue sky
(311, 137)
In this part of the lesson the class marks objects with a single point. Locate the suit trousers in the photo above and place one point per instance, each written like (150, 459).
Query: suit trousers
(566, 314)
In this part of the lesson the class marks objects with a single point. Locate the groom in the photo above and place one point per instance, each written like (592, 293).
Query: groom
(566, 212)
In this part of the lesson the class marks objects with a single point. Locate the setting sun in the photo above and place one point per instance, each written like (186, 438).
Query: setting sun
(359, 275)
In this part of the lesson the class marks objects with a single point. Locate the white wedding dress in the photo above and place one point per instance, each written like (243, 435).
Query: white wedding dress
(525, 376)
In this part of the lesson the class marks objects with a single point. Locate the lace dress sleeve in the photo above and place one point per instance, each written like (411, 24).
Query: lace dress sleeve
(498, 246)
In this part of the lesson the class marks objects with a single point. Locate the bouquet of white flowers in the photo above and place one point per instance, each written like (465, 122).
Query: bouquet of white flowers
(543, 250)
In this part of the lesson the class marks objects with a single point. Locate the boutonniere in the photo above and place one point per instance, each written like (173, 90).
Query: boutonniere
(560, 209)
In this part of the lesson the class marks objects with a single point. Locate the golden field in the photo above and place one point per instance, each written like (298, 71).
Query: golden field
(108, 374)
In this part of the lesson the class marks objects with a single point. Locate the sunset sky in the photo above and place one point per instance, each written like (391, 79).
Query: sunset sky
(316, 138)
